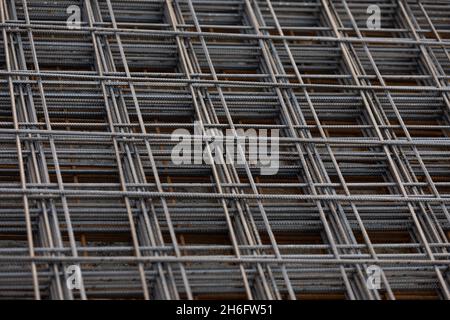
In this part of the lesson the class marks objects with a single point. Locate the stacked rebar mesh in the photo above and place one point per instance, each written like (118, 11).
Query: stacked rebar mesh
(87, 177)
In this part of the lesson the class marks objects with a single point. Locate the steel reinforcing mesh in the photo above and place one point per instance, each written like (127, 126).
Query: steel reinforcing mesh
(87, 177)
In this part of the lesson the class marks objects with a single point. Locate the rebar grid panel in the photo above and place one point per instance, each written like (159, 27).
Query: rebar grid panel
(87, 178)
